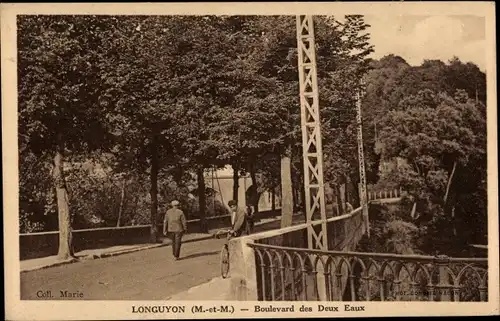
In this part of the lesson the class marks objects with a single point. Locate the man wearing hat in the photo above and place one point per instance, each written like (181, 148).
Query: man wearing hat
(176, 222)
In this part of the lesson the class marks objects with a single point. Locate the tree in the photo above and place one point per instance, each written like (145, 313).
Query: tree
(142, 89)
(58, 89)
(375, 104)
(213, 67)
(341, 52)
(36, 196)
(442, 140)
(339, 78)
(466, 76)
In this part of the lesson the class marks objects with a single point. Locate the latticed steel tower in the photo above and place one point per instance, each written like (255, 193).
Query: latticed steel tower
(311, 134)
(363, 198)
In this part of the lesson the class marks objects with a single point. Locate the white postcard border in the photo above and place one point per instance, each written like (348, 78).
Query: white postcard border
(70, 310)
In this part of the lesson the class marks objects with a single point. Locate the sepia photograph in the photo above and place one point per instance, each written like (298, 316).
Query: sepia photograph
(336, 158)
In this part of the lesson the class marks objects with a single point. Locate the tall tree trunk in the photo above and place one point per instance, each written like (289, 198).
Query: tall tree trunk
(416, 167)
(449, 182)
(348, 191)
(178, 173)
(122, 202)
(454, 221)
(65, 235)
(413, 210)
(295, 195)
(136, 204)
(338, 201)
(213, 194)
(302, 195)
(154, 189)
(356, 185)
(273, 199)
(286, 189)
(202, 199)
(302, 186)
(255, 197)
(297, 190)
(236, 181)
(342, 197)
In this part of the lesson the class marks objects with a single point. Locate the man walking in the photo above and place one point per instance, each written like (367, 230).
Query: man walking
(177, 226)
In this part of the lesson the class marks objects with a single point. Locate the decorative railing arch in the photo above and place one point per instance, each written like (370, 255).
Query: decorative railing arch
(290, 274)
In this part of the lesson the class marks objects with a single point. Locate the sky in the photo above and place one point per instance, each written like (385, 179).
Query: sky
(416, 38)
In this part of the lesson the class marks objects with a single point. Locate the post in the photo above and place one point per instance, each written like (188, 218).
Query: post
(444, 286)
(311, 141)
(243, 270)
(359, 193)
(361, 159)
(245, 191)
(483, 290)
(213, 193)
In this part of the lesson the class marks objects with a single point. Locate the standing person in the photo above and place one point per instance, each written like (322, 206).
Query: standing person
(177, 226)
(239, 219)
(250, 222)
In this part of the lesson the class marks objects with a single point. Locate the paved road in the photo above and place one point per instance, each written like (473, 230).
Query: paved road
(143, 275)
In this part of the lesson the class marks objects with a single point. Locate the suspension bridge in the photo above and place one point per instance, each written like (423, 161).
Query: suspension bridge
(314, 259)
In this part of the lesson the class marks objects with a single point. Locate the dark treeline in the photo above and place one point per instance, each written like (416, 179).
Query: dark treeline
(432, 118)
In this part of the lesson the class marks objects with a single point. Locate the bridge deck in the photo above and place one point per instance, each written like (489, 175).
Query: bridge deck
(145, 275)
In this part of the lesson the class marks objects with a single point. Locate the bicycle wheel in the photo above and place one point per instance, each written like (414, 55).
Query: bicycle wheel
(224, 261)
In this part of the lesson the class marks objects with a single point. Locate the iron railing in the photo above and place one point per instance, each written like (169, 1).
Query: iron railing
(384, 194)
(295, 274)
(341, 230)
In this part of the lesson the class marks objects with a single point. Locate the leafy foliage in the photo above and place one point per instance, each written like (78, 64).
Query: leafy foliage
(142, 103)
(442, 140)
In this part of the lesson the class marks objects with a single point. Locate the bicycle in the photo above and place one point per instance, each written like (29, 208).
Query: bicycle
(224, 254)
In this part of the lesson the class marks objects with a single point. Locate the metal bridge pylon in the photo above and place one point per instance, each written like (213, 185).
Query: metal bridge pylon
(311, 134)
(363, 197)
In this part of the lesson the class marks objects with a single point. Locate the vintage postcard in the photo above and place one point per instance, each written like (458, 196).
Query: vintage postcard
(249, 160)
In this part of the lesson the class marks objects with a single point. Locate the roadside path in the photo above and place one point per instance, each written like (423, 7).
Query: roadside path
(150, 274)
(143, 275)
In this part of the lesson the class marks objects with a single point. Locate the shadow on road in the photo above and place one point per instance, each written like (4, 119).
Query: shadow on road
(199, 254)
